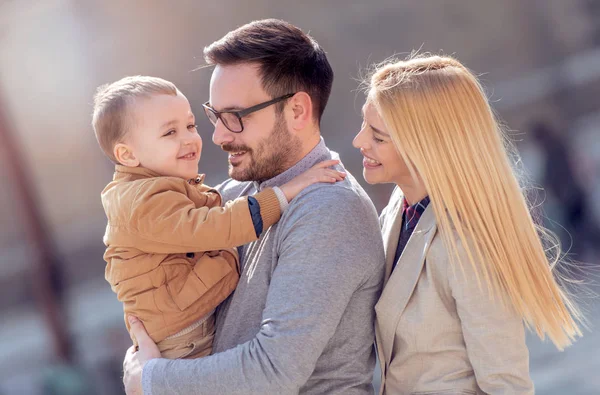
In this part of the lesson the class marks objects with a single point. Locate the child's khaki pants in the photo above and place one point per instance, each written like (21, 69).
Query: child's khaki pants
(195, 343)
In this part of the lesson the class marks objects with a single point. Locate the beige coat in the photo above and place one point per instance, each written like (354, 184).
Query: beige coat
(169, 255)
(436, 331)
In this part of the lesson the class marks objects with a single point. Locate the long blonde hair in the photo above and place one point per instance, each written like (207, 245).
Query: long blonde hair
(444, 128)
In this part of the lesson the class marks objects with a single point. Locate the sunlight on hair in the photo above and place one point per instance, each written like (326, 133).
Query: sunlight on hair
(445, 130)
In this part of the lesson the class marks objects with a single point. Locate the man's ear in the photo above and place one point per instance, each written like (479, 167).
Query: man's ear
(125, 156)
(301, 110)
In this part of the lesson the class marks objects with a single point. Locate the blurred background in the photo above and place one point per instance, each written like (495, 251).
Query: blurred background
(61, 327)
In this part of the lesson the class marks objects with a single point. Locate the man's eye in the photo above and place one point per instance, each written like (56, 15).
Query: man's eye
(169, 133)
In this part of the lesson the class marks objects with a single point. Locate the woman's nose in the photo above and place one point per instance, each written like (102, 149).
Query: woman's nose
(359, 141)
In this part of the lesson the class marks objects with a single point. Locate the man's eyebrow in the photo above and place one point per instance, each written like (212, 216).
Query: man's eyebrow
(229, 108)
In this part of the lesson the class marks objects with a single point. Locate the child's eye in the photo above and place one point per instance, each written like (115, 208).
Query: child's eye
(169, 133)
(192, 127)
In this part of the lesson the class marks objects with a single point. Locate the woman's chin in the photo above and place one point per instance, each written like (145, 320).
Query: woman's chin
(370, 178)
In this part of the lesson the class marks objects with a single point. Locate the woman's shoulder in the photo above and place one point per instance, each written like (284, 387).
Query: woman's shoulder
(439, 259)
(453, 261)
(440, 253)
(439, 248)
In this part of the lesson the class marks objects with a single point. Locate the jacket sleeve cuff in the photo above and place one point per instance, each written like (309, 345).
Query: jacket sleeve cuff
(257, 221)
(283, 202)
(270, 210)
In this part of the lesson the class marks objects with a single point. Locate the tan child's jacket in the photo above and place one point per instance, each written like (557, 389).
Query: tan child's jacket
(170, 256)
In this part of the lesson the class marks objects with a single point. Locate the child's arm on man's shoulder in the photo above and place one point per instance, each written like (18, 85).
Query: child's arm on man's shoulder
(165, 220)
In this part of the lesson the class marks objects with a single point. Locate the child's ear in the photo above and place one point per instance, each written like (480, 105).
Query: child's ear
(125, 156)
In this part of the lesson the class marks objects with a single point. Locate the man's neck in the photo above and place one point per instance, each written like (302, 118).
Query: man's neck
(308, 144)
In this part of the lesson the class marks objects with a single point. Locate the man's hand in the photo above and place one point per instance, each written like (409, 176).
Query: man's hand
(136, 359)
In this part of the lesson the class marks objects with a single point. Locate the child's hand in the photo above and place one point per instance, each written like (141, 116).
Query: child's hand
(135, 359)
(320, 172)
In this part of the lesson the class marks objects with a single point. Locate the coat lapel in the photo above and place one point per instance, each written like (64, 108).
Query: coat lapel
(391, 221)
(401, 283)
(391, 230)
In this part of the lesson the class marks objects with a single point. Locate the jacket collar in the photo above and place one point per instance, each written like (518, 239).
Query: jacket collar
(127, 173)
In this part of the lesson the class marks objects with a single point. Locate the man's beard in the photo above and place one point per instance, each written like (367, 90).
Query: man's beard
(274, 155)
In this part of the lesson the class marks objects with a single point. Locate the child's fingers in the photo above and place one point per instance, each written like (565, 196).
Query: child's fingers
(322, 177)
(338, 175)
(330, 180)
(139, 332)
(326, 163)
(333, 175)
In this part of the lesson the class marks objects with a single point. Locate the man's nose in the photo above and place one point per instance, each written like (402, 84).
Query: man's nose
(222, 135)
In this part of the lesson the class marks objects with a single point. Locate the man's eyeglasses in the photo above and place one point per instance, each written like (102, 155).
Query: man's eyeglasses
(233, 119)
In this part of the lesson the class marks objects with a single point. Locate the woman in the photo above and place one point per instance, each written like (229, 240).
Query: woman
(466, 266)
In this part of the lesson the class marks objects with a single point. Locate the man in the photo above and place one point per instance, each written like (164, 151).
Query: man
(301, 318)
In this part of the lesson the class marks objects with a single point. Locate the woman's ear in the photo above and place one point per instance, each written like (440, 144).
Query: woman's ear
(301, 113)
(125, 156)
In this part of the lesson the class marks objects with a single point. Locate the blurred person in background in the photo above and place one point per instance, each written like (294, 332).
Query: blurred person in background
(301, 318)
(465, 265)
(561, 180)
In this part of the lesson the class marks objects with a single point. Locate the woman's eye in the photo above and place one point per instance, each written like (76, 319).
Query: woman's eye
(169, 133)
(378, 140)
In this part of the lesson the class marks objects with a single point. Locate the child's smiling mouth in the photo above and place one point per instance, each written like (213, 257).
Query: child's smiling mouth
(189, 156)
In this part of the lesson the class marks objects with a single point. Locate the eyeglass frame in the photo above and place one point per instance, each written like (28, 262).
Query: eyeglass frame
(242, 113)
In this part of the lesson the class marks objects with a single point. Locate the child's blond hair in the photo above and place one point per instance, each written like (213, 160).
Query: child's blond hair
(112, 103)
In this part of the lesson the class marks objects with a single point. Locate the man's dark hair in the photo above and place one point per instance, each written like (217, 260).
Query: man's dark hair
(289, 60)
